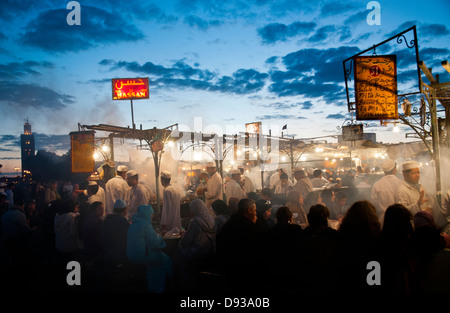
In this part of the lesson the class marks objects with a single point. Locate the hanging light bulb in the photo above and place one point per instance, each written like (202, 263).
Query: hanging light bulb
(396, 129)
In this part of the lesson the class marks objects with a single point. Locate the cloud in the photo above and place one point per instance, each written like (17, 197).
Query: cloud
(9, 143)
(357, 18)
(433, 30)
(337, 116)
(339, 7)
(182, 75)
(323, 33)
(15, 70)
(274, 32)
(22, 95)
(280, 105)
(313, 73)
(52, 142)
(280, 117)
(50, 31)
(197, 22)
(10, 10)
(307, 105)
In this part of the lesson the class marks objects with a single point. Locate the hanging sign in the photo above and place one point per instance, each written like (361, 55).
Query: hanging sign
(352, 132)
(376, 87)
(82, 151)
(130, 88)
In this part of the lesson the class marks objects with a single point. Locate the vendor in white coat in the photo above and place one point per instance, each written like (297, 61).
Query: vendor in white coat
(171, 210)
(411, 193)
(233, 189)
(384, 190)
(138, 194)
(214, 189)
(116, 188)
(246, 181)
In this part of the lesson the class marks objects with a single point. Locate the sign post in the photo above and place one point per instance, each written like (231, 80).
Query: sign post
(129, 89)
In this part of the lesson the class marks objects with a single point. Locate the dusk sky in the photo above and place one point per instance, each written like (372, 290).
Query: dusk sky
(226, 62)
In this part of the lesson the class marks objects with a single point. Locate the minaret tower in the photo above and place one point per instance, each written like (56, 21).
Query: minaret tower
(28, 151)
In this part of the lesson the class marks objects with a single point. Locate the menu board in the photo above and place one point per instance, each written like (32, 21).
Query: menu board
(352, 132)
(376, 87)
(82, 151)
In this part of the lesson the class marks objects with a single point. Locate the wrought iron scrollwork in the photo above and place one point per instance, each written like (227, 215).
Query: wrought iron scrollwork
(411, 44)
(349, 122)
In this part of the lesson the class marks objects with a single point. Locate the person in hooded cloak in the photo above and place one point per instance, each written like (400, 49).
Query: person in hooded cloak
(196, 248)
(144, 247)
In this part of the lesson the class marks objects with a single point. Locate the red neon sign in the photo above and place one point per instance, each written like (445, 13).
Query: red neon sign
(130, 88)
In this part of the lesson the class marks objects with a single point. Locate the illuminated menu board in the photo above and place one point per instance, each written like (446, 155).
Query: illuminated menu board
(376, 87)
(130, 88)
(82, 151)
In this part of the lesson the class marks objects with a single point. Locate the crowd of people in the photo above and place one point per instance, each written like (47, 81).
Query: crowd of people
(293, 235)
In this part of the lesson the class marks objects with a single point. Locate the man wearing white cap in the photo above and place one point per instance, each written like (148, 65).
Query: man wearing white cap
(233, 188)
(116, 188)
(384, 190)
(137, 195)
(171, 209)
(93, 193)
(247, 183)
(410, 193)
(214, 189)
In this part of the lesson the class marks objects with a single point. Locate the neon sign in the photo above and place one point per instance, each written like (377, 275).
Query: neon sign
(130, 88)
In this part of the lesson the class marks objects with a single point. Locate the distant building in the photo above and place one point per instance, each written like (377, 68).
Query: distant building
(28, 151)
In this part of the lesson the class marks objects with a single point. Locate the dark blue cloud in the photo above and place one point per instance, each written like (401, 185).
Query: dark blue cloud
(323, 33)
(313, 73)
(52, 142)
(21, 95)
(307, 105)
(11, 9)
(274, 32)
(15, 70)
(340, 7)
(9, 142)
(180, 74)
(357, 18)
(202, 24)
(337, 116)
(402, 27)
(433, 30)
(50, 31)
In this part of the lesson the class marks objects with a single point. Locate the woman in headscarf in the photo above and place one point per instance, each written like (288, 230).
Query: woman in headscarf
(197, 246)
(294, 201)
(144, 247)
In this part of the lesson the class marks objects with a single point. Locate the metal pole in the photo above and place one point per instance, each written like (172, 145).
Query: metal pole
(132, 115)
(111, 146)
(435, 138)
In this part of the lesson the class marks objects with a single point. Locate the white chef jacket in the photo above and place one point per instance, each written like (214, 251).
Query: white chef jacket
(214, 189)
(137, 195)
(383, 193)
(171, 209)
(408, 195)
(234, 190)
(115, 188)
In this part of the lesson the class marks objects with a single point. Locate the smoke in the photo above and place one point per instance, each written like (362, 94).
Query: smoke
(142, 161)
